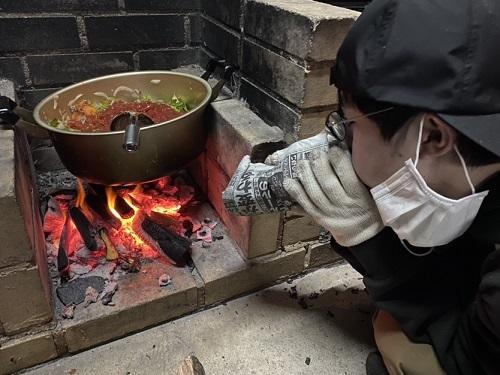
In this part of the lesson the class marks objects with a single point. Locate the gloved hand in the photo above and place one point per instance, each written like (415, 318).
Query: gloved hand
(328, 189)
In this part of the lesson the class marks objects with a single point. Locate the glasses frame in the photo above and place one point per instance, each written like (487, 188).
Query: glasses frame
(336, 123)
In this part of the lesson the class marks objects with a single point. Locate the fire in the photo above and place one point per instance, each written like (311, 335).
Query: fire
(126, 224)
(119, 234)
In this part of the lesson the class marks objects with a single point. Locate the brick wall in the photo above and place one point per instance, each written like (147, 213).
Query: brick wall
(285, 51)
(48, 44)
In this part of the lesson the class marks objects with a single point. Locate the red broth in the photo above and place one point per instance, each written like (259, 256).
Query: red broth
(86, 118)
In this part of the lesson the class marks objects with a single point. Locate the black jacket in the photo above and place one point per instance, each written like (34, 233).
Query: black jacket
(450, 298)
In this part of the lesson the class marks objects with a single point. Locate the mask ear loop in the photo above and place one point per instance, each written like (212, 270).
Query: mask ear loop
(414, 253)
(420, 133)
(467, 176)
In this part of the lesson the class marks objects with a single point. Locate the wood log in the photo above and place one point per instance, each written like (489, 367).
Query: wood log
(174, 246)
(84, 228)
(62, 253)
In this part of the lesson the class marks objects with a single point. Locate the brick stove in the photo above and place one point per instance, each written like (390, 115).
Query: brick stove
(281, 94)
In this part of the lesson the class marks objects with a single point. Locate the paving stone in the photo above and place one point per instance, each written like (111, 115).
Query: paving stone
(27, 351)
(298, 226)
(27, 305)
(255, 235)
(307, 29)
(302, 86)
(237, 131)
(226, 274)
(139, 303)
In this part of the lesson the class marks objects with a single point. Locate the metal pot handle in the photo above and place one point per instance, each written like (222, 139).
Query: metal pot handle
(12, 116)
(131, 136)
(212, 66)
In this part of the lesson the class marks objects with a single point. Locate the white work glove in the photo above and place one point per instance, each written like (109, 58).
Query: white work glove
(328, 189)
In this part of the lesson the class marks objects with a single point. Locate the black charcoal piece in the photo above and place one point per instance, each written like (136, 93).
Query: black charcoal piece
(74, 291)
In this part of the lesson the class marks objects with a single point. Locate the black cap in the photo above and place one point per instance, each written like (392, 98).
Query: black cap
(438, 55)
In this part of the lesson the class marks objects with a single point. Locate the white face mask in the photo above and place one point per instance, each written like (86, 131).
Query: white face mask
(420, 215)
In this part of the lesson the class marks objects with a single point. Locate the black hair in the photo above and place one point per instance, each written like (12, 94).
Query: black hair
(390, 122)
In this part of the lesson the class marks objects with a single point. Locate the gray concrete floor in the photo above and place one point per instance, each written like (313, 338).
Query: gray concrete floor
(268, 332)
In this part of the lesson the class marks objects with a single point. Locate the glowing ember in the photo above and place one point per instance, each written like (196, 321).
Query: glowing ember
(119, 239)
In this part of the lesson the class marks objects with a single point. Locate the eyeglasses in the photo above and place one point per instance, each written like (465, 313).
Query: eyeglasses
(337, 124)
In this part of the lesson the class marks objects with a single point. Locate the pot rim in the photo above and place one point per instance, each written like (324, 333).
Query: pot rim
(43, 124)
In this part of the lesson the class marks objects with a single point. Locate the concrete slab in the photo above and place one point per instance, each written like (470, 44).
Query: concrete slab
(264, 333)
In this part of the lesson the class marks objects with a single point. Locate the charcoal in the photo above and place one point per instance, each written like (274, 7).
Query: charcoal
(123, 208)
(73, 292)
(99, 205)
(84, 228)
(173, 245)
(69, 312)
(164, 280)
(91, 296)
(62, 253)
(108, 293)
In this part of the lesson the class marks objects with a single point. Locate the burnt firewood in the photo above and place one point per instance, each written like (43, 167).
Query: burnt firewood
(84, 228)
(173, 245)
(99, 205)
(62, 253)
(166, 221)
(123, 208)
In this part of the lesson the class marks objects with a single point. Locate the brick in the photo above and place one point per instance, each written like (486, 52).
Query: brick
(23, 352)
(38, 34)
(140, 303)
(271, 109)
(301, 86)
(69, 68)
(226, 11)
(255, 235)
(237, 131)
(11, 68)
(161, 6)
(312, 123)
(29, 6)
(26, 305)
(151, 31)
(195, 24)
(167, 59)
(15, 248)
(29, 98)
(320, 254)
(221, 41)
(298, 227)
(306, 28)
(226, 274)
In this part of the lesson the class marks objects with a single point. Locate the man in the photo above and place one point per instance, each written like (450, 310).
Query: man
(412, 195)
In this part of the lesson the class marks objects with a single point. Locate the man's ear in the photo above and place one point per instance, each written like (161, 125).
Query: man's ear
(438, 138)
